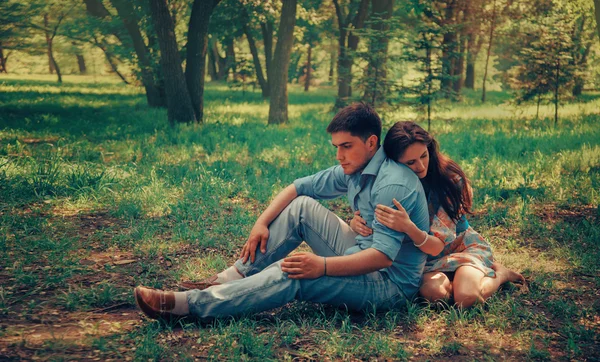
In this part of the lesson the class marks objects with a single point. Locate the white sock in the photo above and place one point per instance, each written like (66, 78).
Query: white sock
(181, 304)
(228, 275)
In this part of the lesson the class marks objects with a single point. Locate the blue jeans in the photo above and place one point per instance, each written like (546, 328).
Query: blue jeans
(266, 286)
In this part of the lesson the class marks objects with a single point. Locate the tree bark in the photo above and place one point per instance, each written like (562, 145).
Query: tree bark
(308, 68)
(449, 49)
(196, 53)
(475, 41)
(377, 87)
(278, 107)
(267, 32)
(489, 50)
(126, 12)
(179, 103)
(81, 64)
(230, 61)
(332, 62)
(264, 85)
(2, 60)
(556, 92)
(348, 43)
(212, 62)
(48, 46)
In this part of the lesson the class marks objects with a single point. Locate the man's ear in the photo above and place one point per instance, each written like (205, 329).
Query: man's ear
(372, 141)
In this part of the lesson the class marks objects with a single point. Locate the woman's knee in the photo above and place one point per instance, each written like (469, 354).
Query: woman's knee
(435, 288)
(466, 298)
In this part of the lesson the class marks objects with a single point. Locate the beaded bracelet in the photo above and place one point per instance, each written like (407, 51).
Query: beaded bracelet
(424, 241)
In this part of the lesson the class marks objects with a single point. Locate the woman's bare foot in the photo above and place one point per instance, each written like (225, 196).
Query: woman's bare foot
(506, 275)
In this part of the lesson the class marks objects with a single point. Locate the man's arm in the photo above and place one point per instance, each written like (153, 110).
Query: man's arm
(325, 184)
(260, 230)
(311, 266)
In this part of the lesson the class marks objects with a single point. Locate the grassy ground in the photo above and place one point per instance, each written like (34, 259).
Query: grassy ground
(98, 194)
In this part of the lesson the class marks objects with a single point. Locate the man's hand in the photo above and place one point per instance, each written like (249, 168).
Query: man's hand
(258, 236)
(304, 266)
(359, 225)
(394, 219)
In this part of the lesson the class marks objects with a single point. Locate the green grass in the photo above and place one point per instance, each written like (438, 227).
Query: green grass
(90, 177)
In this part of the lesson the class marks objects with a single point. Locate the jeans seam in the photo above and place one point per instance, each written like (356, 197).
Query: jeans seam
(245, 292)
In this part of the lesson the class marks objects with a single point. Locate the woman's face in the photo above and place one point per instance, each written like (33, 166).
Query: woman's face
(416, 157)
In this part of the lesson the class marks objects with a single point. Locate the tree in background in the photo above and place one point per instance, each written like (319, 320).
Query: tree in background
(544, 52)
(278, 106)
(179, 103)
(377, 33)
(146, 64)
(351, 15)
(423, 49)
(195, 71)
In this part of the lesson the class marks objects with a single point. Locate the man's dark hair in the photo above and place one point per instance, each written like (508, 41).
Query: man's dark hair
(359, 119)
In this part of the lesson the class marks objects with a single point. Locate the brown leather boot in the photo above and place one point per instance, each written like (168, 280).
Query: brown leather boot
(156, 304)
(201, 285)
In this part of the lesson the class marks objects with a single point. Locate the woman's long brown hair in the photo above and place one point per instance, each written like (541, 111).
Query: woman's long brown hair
(444, 177)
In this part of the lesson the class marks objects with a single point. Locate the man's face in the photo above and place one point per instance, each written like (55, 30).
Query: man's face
(352, 152)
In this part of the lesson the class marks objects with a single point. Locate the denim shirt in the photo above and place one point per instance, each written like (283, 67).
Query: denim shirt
(380, 182)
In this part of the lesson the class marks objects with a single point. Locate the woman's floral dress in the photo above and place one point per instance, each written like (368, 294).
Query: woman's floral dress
(464, 246)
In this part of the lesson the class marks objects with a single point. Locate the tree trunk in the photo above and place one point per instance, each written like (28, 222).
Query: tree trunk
(449, 49)
(597, 13)
(212, 62)
(348, 43)
(230, 61)
(81, 64)
(48, 45)
(196, 53)
(332, 62)
(459, 66)
(179, 103)
(218, 59)
(127, 14)
(489, 50)
(264, 86)
(556, 92)
(278, 107)
(308, 68)
(377, 88)
(267, 32)
(475, 41)
(2, 60)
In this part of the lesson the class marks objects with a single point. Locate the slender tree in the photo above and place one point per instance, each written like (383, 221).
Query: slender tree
(149, 80)
(377, 86)
(278, 107)
(349, 17)
(196, 53)
(489, 49)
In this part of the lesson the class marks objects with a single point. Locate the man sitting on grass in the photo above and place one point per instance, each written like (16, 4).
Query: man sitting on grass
(381, 270)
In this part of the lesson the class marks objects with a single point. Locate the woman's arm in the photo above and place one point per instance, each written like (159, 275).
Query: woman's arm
(398, 220)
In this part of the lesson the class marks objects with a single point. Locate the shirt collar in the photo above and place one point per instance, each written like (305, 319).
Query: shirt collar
(375, 163)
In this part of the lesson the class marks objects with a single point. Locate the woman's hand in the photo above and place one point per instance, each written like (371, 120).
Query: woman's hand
(394, 219)
(359, 225)
(304, 266)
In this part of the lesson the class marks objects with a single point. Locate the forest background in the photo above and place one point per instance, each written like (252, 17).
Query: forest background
(139, 140)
